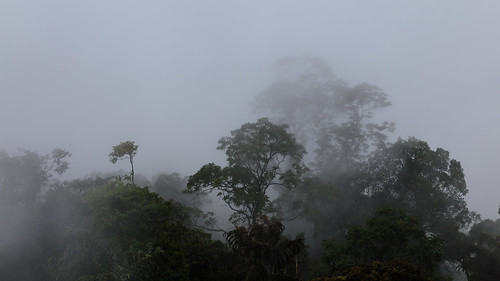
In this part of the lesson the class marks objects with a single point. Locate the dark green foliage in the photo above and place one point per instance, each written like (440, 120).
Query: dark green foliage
(378, 271)
(481, 253)
(408, 175)
(123, 232)
(127, 213)
(263, 250)
(390, 236)
(259, 155)
(485, 231)
(482, 264)
(426, 182)
(336, 121)
(104, 229)
(123, 235)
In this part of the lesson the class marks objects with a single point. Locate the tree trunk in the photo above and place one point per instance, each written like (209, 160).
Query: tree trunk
(132, 172)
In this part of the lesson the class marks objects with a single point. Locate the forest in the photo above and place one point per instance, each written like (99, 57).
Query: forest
(318, 188)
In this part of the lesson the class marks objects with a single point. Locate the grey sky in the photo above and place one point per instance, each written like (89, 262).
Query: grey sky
(175, 76)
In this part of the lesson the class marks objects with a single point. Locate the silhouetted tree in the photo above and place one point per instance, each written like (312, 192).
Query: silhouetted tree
(481, 252)
(124, 232)
(390, 236)
(263, 250)
(259, 155)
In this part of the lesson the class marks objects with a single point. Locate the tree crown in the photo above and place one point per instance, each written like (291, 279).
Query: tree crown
(124, 150)
(259, 155)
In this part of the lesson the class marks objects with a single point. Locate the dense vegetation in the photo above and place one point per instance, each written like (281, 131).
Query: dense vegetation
(366, 208)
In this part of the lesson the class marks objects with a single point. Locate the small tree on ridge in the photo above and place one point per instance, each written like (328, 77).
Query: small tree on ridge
(125, 150)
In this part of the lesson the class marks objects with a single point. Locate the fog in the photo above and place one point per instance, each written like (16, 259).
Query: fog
(176, 76)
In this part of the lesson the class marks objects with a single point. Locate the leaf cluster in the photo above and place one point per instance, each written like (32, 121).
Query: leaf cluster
(124, 232)
(124, 150)
(390, 236)
(426, 182)
(263, 248)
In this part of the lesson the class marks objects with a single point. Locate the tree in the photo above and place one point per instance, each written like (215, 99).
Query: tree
(390, 236)
(325, 113)
(24, 180)
(378, 271)
(124, 232)
(481, 252)
(260, 155)
(331, 208)
(427, 184)
(336, 122)
(349, 141)
(263, 249)
(125, 150)
(302, 95)
(23, 177)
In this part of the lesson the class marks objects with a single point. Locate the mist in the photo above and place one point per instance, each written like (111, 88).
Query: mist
(176, 77)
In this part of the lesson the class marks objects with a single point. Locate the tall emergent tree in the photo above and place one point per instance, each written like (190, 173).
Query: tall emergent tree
(338, 123)
(259, 155)
(125, 150)
(324, 112)
(301, 95)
